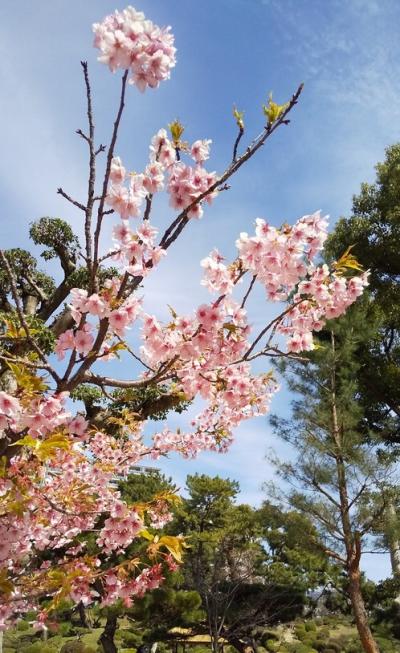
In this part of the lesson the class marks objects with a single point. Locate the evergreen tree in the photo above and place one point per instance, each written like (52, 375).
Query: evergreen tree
(373, 230)
(340, 482)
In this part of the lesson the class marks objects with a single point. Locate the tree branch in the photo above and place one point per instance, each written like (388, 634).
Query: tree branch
(70, 199)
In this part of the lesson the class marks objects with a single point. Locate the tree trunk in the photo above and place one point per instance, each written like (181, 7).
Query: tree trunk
(30, 304)
(352, 538)
(360, 614)
(107, 636)
(394, 543)
(83, 620)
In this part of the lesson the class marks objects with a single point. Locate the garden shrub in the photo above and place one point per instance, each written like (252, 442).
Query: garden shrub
(266, 636)
(310, 626)
(310, 639)
(66, 629)
(386, 645)
(129, 639)
(73, 646)
(272, 645)
(22, 626)
(39, 647)
(335, 646)
(353, 647)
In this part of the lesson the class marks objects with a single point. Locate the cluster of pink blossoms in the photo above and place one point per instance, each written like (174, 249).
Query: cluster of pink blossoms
(99, 306)
(39, 416)
(122, 453)
(118, 587)
(129, 41)
(61, 501)
(120, 529)
(185, 183)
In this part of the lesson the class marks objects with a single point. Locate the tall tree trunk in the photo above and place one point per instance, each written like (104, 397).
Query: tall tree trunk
(352, 538)
(360, 614)
(107, 636)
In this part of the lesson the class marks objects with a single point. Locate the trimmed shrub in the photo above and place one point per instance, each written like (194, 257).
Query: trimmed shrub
(335, 646)
(272, 645)
(129, 639)
(73, 646)
(39, 647)
(22, 626)
(310, 626)
(266, 636)
(66, 629)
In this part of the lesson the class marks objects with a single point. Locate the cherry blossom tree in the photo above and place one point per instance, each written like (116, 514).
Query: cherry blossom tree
(58, 488)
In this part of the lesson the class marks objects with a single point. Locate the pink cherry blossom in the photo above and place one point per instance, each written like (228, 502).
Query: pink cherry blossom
(127, 40)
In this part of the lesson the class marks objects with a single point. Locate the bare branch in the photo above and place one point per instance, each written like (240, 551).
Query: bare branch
(237, 141)
(110, 154)
(250, 288)
(92, 169)
(70, 199)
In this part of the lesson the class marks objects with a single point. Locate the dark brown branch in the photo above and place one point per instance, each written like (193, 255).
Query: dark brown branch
(101, 148)
(237, 141)
(42, 295)
(70, 199)
(92, 169)
(110, 153)
(149, 200)
(250, 288)
(179, 223)
(276, 320)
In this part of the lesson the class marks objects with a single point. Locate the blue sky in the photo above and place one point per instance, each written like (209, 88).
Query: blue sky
(229, 51)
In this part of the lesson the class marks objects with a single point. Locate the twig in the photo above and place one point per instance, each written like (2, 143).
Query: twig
(276, 320)
(237, 141)
(179, 223)
(70, 199)
(132, 353)
(250, 288)
(149, 200)
(110, 153)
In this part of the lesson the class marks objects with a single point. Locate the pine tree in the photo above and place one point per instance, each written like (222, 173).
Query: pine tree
(339, 480)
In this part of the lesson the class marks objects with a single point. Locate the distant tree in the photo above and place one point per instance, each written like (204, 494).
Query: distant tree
(340, 483)
(241, 586)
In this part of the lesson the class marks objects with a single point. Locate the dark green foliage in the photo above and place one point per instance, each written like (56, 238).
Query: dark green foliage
(23, 626)
(166, 608)
(66, 629)
(72, 646)
(29, 280)
(43, 335)
(374, 230)
(150, 401)
(45, 647)
(58, 237)
(129, 639)
(144, 487)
